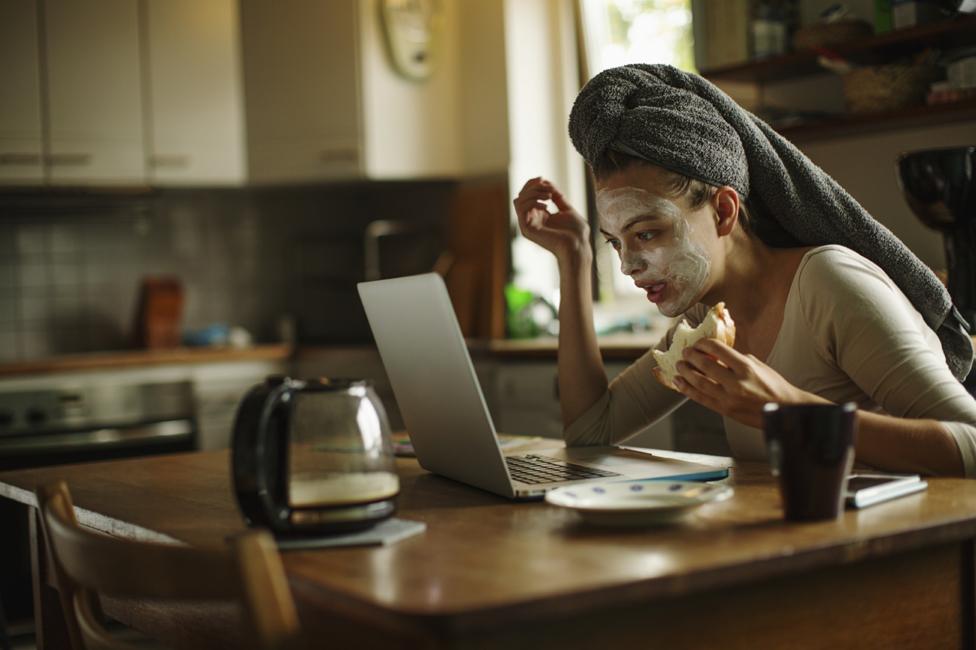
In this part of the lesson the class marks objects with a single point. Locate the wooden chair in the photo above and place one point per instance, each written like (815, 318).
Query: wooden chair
(4, 639)
(89, 566)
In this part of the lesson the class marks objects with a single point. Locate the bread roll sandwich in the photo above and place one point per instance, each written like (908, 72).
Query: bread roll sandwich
(717, 324)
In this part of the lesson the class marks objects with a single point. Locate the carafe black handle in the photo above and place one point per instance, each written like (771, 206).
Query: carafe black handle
(258, 458)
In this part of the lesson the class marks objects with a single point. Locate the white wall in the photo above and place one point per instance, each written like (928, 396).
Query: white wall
(422, 118)
(483, 101)
(541, 61)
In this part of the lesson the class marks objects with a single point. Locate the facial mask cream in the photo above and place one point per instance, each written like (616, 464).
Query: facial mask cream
(682, 262)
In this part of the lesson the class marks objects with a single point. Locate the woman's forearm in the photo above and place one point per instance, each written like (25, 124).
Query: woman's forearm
(907, 445)
(582, 379)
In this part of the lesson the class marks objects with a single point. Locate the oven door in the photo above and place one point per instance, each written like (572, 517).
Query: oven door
(103, 443)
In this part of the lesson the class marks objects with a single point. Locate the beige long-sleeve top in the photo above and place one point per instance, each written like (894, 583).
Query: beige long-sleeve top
(848, 334)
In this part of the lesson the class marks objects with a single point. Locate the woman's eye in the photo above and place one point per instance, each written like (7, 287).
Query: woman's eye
(615, 243)
(646, 235)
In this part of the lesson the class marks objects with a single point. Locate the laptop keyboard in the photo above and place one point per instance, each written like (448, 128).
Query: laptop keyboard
(540, 469)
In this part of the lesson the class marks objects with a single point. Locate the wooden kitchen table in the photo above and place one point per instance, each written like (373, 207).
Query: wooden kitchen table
(488, 573)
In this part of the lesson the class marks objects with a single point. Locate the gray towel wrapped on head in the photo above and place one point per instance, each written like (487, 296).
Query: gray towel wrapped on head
(682, 122)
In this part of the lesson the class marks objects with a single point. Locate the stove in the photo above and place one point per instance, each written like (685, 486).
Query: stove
(94, 421)
(74, 421)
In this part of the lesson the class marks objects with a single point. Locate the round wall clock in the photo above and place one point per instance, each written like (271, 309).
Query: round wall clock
(410, 28)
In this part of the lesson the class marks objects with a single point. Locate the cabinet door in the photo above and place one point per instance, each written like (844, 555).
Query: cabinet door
(301, 86)
(94, 91)
(218, 389)
(528, 396)
(20, 94)
(528, 399)
(194, 92)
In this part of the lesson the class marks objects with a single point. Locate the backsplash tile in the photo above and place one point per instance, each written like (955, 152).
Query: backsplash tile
(71, 262)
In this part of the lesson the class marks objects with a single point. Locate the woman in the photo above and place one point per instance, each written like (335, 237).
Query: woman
(829, 306)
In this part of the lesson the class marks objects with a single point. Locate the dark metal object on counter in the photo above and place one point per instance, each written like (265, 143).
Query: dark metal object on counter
(940, 187)
(82, 420)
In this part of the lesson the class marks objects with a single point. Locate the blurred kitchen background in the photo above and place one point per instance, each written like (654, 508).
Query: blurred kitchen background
(191, 189)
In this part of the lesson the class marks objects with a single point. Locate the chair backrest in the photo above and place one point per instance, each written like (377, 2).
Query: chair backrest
(89, 565)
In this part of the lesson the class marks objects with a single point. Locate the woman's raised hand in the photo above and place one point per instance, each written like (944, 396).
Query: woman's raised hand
(564, 233)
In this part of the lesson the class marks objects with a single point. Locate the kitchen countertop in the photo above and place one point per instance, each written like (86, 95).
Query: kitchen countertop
(617, 346)
(626, 347)
(613, 347)
(139, 358)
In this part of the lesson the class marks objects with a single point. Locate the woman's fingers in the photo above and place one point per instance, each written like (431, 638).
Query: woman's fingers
(709, 366)
(526, 205)
(537, 217)
(539, 189)
(560, 200)
(529, 200)
(536, 187)
(696, 378)
(737, 362)
(532, 182)
(692, 393)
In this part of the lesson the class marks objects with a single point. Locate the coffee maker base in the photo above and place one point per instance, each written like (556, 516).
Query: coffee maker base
(304, 522)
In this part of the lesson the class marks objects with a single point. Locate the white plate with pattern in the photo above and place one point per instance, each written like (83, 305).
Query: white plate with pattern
(636, 503)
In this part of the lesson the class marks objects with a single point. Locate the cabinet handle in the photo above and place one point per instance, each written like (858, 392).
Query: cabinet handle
(339, 156)
(169, 160)
(70, 159)
(20, 159)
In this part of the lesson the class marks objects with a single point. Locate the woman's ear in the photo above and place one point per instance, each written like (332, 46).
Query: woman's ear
(725, 201)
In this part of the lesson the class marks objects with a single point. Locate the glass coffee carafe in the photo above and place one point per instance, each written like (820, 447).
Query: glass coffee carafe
(313, 456)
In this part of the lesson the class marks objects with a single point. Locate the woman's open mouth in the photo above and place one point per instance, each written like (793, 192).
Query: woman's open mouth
(655, 292)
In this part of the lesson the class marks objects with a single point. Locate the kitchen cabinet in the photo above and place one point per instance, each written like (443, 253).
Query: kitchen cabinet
(134, 92)
(194, 93)
(528, 403)
(71, 109)
(21, 146)
(229, 92)
(324, 102)
(351, 362)
(218, 390)
(93, 91)
(300, 79)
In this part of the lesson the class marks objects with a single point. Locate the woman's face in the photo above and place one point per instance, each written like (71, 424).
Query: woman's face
(667, 248)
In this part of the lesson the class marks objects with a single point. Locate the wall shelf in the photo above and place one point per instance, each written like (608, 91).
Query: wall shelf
(864, 123)
(946, 35)
(958, 32)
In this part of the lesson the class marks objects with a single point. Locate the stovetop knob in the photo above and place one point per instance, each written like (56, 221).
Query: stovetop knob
(36, 416)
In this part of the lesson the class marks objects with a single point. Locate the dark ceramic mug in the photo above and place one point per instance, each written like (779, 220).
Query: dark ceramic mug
(811, 450)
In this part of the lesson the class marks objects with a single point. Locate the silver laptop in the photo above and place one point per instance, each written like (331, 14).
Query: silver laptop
(444, 410)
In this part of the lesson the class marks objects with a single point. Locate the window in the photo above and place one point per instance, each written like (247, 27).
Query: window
(543, 66)
(618, 32)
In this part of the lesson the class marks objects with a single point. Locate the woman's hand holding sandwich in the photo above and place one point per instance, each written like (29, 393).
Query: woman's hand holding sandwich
(733, 384)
